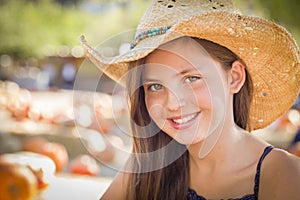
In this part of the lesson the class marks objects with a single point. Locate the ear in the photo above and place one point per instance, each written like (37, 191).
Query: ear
(237, 76)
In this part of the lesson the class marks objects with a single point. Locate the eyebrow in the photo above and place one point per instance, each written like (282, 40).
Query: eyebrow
(150, 80)
(183, 72)
(187, 71)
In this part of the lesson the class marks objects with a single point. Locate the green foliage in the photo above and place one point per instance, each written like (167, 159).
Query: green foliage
(114, 21)
(286, 13)
(28, 27)
(283, 12)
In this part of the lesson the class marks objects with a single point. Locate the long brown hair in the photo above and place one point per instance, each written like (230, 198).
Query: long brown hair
(171, 181)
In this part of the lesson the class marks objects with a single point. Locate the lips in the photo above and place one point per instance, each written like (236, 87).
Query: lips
(182, 122)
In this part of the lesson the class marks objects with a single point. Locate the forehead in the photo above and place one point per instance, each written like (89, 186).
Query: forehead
(183, 54)
(185, 47)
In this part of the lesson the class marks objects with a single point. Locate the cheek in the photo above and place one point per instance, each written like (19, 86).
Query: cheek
(201, 98)
(154, 105)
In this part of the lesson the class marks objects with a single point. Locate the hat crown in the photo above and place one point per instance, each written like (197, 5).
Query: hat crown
(163, 13)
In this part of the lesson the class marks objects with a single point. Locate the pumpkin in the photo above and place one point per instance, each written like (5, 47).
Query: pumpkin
(41, 166)
(107, 155)
(84, 165)
(17, 182)
(33, 144)
(57, 152)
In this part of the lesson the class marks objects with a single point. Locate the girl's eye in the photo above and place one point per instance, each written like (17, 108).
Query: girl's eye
(155, 87)
(191, 79)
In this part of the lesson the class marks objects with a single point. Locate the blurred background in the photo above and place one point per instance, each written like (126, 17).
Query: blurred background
(54, 104)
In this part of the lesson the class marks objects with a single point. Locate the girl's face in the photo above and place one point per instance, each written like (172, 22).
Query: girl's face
(185, 91)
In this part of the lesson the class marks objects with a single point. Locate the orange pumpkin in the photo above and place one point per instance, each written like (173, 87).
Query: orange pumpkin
(17, 182)
(57, 152)
(107, 155)
(33, 144)
(42, 167)
(84, 165)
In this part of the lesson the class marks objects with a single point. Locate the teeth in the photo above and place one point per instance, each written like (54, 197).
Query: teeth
(184, 120)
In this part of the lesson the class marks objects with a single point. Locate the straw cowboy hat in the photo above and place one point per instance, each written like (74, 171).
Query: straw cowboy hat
(269, 51)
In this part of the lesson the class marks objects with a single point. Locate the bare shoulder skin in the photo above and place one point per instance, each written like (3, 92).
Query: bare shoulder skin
(280, 176)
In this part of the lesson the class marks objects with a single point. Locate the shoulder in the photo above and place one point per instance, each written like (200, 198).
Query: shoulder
(280, 176)
(117, 189)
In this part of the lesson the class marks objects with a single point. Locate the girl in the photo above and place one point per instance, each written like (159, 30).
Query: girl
(200, 77)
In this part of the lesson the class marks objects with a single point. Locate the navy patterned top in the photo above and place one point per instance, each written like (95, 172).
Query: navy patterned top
(192, 195)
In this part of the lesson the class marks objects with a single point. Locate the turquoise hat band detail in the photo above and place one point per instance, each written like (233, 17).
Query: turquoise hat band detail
(149, 33)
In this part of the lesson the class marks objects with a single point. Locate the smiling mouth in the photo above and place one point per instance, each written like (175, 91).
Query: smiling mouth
(184, 120)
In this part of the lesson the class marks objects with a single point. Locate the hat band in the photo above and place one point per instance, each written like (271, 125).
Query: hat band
(149, 33)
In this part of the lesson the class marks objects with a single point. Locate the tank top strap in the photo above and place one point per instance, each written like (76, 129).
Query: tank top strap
(267, 150)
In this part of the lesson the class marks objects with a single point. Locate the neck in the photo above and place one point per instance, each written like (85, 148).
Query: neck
(216, 149)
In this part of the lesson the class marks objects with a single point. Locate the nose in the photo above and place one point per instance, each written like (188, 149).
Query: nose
(175, 101)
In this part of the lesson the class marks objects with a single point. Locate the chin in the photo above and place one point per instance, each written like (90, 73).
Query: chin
(187, 140)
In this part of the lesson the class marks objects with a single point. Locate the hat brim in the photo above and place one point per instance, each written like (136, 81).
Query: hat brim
(269, 51)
